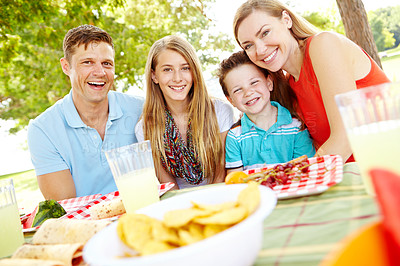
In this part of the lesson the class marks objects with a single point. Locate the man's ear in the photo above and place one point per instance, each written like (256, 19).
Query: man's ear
(65, 66)
(287, 19)
(153, 77)
(270, 84)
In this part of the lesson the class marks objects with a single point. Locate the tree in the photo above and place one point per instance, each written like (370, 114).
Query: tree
(383, 38)
(355, 22)
(31, 37)
(390, 16)
(328, 20)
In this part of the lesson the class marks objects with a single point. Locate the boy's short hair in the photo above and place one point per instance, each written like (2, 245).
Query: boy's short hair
(235, 60)
(84, 34)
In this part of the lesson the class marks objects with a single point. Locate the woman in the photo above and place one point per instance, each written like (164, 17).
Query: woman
(187, 129)
(319, 65)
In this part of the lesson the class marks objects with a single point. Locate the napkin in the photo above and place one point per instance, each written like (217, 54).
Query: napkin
(387, 189)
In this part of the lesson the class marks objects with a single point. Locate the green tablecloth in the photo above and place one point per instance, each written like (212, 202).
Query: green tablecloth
(304, 230)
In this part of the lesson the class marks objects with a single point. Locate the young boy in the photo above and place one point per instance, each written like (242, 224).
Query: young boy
(266, 133)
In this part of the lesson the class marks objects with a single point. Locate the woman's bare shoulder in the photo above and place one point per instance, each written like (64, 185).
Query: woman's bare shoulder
(326, 40)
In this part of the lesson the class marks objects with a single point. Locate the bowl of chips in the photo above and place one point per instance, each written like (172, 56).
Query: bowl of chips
(218, 225)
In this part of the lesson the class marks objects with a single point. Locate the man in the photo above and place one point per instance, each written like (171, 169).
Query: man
(68, 140)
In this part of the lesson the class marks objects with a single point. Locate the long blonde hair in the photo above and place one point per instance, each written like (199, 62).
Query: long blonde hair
(205, 130)
(301, 28)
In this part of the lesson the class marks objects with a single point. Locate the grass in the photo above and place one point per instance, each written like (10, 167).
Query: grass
(26, 190)
(391, 66)
(394, 50)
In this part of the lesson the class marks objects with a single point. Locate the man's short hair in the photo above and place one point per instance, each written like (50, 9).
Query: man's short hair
(84, 34)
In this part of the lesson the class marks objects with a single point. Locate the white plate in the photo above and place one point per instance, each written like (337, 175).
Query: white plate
(238, 245)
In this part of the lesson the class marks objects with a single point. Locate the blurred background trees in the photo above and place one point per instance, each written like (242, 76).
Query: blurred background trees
(357, 28)
(31, 34)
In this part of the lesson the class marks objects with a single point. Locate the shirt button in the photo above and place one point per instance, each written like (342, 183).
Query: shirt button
(95, 137)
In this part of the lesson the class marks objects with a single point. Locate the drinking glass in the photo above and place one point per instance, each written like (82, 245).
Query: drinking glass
(371, 117)
(133, 170)
(11, 236)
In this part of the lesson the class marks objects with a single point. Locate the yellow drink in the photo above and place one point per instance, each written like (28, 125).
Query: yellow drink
(376, 145)
(138, 189)
(11, 236)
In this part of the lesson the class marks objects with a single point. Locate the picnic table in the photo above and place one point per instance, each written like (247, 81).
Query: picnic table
(303, 230)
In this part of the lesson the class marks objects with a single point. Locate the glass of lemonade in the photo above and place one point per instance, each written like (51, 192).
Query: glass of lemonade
(371, 117)
(11, 236)
(133, 170)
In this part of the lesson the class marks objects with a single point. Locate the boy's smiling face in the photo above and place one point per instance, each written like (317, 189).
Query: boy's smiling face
(249, 90)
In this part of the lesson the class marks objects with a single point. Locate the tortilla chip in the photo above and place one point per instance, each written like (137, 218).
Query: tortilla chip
(213, 229)
(154, 246)
(178, 218)
(225, 217)
(250, 197)
(215, 207)
(162, 233)
(135, 230)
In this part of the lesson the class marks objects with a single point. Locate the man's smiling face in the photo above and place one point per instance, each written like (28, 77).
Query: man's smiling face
(91, 72)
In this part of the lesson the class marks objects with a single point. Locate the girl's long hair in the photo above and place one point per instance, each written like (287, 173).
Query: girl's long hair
(208, 145)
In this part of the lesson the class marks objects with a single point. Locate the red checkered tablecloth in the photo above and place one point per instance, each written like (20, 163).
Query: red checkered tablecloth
(84, 203)
(78, 208)
(324, 172)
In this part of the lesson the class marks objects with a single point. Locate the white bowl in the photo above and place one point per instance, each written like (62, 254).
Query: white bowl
(238, 245)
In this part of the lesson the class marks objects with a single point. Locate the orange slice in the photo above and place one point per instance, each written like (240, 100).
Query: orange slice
(235, 177)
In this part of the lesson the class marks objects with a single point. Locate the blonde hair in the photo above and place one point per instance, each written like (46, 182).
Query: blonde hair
(301, 29)
(207, 142)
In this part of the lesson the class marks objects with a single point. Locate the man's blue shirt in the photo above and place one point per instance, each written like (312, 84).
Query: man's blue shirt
(59, 140)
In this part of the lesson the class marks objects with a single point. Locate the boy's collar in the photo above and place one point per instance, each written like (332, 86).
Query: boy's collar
(283, 118)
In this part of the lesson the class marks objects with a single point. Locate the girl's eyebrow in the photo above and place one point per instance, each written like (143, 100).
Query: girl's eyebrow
(169, 65)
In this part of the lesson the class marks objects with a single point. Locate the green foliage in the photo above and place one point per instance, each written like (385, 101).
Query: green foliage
(388, 20)
(383, 38)
(384, 22)
(14, 13)
(31, 35)
(328, 20)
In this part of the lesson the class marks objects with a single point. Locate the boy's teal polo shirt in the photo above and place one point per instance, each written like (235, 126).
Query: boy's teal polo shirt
(59, 140)
(251, 147)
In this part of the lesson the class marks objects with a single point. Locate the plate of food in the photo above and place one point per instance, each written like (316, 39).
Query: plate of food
(200, 227)
(300, 177)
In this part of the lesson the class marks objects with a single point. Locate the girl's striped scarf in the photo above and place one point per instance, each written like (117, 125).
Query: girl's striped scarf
(181, 160)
